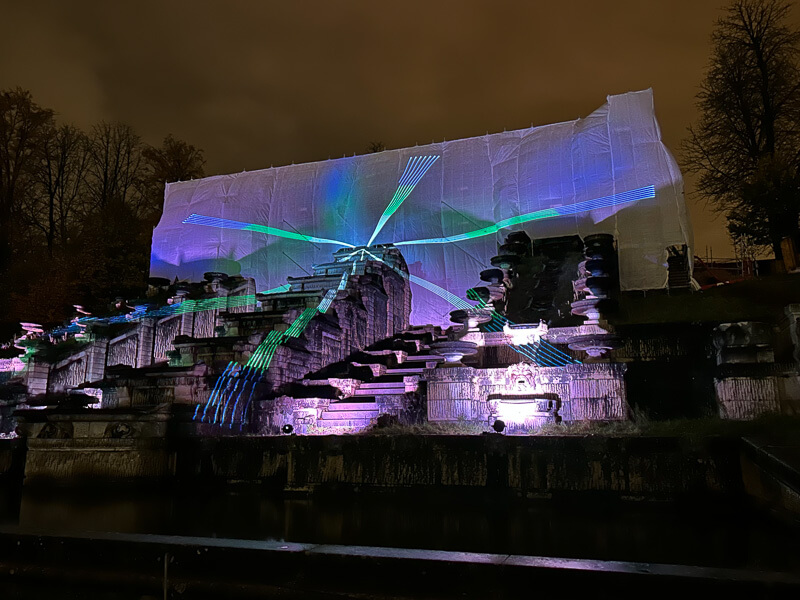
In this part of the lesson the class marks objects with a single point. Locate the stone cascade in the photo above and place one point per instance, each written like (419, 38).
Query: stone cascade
(531, 391)
(357, 316)
(141, 343)
(174, 363)
(347, 397)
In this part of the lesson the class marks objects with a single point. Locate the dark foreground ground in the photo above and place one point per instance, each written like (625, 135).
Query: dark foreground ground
(215, 536)
(135, 566)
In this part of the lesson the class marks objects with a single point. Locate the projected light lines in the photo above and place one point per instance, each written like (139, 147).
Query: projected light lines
(236, 380)
(547, 213)
(195, 219)
(541, 353)
(187, 306)
(415, 170)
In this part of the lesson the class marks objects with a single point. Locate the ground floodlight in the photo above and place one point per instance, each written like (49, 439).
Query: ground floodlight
(499, 426)
(287, 429)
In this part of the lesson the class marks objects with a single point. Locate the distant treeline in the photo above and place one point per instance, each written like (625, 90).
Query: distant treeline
(77, 209)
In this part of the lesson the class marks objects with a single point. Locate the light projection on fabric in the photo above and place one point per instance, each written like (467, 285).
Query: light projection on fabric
(630, 196)
(475, 183)
(415, 170)
(431, 287)
(547, 213)
(195, 219)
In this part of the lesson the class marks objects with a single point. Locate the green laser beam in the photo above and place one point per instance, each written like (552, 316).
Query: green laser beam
(195, 219)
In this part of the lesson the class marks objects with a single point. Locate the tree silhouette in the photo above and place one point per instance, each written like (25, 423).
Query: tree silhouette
(174, 160)
(746, 146)
(24, 126)
(76, 210)
(53, 200)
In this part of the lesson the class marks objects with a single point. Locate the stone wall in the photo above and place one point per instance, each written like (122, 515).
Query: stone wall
(188, 386)
(300, 413)
(86, 460)
(68, 373)
(96, 444)
(123, 350)
(748, 391)
(146, 342)
(646, 468)
(583, 392)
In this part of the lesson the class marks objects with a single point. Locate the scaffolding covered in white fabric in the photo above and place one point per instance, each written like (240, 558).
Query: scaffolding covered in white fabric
(475, 183)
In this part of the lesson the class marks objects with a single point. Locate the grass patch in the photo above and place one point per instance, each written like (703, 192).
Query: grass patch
(639, 426)
(461, 427)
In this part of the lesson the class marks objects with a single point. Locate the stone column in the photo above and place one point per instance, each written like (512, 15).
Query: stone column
(144, 353)
(36, 376)
(96, 360)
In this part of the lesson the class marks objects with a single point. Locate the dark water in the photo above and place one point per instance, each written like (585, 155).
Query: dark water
(733, 536)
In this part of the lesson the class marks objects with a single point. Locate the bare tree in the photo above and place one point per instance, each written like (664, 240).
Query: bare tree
(24, 125)
(114, 169)
(53, 200)
(745, 147)
(174, 160)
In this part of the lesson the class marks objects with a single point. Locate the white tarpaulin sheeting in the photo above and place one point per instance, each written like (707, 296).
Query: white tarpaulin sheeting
(475, 183)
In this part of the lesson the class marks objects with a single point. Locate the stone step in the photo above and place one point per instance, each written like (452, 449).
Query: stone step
(409, 371)
(377, 385)
(343, 423)
(349, 414)
(339, 406)
(424, 358)
(380, 392)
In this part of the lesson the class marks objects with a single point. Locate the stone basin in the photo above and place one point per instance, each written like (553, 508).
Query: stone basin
(505, 261)
(492, 275)
(454, 351)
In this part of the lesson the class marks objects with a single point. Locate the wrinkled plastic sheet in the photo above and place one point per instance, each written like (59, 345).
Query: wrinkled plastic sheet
(476, 182)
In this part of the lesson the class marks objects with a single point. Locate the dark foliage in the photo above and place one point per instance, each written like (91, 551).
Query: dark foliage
(77, 211)
(746, 146)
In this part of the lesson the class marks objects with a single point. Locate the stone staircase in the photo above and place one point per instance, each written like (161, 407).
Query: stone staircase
(346, 417)
(381, 388)
(361, 409)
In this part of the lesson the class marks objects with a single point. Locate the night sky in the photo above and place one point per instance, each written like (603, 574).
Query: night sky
(266, 83)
